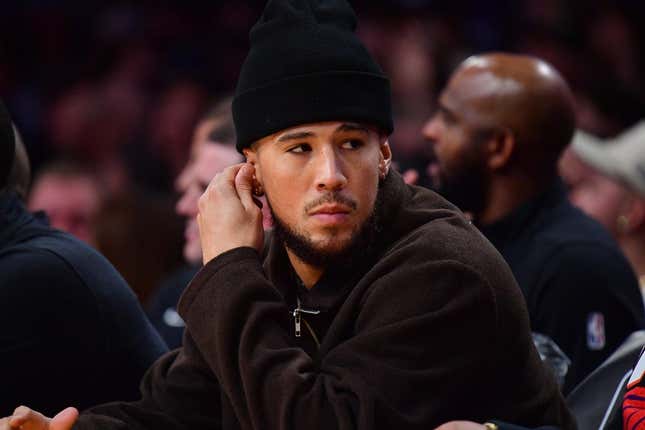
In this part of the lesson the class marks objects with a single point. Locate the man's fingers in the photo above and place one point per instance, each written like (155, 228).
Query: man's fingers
(223, 184)
(244, 186)
(64, 420)
(27, 419)
(4, 424)
(225, 180)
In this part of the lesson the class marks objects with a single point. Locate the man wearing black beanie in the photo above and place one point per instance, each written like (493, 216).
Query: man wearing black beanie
(372, 305)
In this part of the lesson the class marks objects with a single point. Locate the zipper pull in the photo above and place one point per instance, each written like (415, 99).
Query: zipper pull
(297, 315)
(296, 318)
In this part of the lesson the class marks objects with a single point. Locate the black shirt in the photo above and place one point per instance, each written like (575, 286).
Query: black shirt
(162, 306)
(580, 289)
(71, 330)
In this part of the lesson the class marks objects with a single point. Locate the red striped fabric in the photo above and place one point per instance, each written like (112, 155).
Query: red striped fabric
(634, 408)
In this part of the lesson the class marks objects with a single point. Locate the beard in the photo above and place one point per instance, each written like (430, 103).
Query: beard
(465, 188)
(356, 249)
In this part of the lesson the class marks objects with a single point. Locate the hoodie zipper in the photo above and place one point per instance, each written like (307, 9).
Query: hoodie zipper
(297, 318)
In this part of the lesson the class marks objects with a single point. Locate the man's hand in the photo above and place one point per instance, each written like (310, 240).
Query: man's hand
(461, 425)
(24, 418)
(228, 214)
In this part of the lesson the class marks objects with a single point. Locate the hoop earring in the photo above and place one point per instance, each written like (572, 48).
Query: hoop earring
(622, 223)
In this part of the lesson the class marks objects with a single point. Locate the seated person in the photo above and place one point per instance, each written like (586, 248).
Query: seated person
(69, 320)
(502, 123)
(213, 149)
(376, 305)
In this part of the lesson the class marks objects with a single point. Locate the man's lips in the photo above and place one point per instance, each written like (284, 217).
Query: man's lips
(331, 214)
(191, 232)
(332, 209)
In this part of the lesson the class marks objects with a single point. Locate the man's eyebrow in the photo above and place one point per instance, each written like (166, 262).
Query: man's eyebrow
(295, 136)
(350, 126)
(445, 111)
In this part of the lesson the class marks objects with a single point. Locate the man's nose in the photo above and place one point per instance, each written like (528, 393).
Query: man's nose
(430, 130)
(330, 171)
(187, 205)
(182, 182)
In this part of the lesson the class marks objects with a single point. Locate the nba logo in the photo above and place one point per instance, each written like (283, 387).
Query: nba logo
(596, 331)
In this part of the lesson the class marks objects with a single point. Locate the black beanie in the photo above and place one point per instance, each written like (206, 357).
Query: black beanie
(7, 145)
(307, 65)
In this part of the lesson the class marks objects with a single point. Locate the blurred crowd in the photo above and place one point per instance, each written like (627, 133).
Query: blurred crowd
(114, 101)
(106, 94)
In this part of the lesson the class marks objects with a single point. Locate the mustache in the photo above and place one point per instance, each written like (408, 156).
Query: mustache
(331, 197)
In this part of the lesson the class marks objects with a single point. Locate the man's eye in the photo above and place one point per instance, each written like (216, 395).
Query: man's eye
(447, 117)
(303, 147)
(352, 144)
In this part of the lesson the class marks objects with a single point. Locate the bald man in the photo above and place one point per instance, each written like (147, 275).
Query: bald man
(502, 122)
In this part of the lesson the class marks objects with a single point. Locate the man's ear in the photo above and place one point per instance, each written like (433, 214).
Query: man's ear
(499, 148)
(251, 157)
(635, 215)
(385, 157)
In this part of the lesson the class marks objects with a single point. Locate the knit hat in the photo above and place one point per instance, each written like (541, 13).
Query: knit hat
(7, 144)
(621, 157)
(307, 65)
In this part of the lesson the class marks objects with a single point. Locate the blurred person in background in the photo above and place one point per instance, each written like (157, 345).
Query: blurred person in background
(613, 189)
(212, 150)
(71, 196)
(375, 306)
(69, 319)
(168, 131)
(502, 122)
(93, 123)
(20, 174)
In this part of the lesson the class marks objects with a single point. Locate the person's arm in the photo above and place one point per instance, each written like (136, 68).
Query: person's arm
(385, 374)
(178, 392)
(493, 425)
(24, 418)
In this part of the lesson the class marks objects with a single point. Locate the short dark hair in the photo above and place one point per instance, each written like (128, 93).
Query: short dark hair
(68, 168)
(7, 145)
(224, 130)
(20, 174)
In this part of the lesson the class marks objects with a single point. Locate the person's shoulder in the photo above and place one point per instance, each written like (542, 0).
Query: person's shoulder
(443, 237)
(89, 263)
(448, 243)
(442, 232)
(25, 263)
(575, 241)
(66, 261)
(585, 267)
(565, 225)
(39, 280)
(588, 267)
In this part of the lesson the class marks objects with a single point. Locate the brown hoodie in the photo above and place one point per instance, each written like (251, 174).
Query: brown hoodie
(427, 327)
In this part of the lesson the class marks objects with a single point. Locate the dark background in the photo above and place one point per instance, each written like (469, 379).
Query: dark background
(119, 85)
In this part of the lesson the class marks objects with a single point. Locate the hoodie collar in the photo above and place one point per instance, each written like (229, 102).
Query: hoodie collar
(337, 282)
